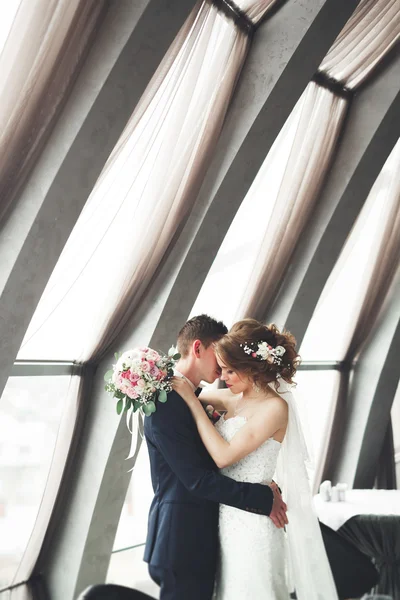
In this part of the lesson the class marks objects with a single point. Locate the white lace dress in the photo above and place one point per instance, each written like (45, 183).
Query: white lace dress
(253, 551)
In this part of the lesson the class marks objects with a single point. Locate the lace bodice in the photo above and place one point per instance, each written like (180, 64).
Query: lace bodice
(258, 466)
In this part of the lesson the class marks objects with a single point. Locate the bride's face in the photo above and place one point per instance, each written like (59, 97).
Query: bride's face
(236, 382)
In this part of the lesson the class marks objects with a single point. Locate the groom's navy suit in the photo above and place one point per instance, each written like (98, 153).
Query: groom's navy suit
(182, 538)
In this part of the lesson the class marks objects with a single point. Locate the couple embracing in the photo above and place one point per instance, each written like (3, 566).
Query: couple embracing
(218, 527)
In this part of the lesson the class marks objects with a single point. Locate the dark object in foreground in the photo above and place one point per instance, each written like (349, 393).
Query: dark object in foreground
(353, 571)
(109, 591)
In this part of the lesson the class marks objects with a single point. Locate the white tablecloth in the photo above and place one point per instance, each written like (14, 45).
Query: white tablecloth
(358, 502)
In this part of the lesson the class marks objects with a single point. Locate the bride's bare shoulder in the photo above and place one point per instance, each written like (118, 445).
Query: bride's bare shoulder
(219, 398)
(275, 404)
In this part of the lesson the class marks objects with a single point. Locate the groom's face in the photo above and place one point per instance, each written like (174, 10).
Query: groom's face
(209, 369)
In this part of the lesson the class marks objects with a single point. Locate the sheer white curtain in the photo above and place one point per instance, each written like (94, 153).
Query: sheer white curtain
(364, 41)
(363, 273)
(144, 194)
(356, 292)
(367, 37)
(43, 50)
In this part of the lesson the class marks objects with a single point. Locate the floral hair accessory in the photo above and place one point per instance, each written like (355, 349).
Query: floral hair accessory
(264, 351)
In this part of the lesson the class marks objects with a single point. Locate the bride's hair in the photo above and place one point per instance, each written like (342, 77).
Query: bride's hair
(248, 333)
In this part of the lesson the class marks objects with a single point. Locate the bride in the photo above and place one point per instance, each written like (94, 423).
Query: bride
(259, 435)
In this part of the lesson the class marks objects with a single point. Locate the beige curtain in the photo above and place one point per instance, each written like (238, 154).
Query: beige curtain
(144, 194)
(367, 37)
(383, 267)
(364, 41)
(43, 53)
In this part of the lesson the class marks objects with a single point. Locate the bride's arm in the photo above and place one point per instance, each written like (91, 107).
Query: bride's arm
(219, 398)
(269, 420)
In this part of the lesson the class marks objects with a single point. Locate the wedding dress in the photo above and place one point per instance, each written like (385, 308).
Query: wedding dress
(253, 556)
(257, 560)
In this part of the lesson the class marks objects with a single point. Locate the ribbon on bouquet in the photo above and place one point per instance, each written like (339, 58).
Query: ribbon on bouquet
(134, 423)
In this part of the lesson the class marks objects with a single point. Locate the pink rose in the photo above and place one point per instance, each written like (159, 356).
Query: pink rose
(128, 390)
(119, 381)
(254, 354)
(151, 363)
(145, 367)
(155, 371)
(141, 384)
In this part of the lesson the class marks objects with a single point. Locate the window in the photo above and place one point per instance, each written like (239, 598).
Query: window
(315, 393)
(332, 324)
(126, 564)
(396, 433)
(30, 413)
(225, 285)
(132, 526)
(8, 10)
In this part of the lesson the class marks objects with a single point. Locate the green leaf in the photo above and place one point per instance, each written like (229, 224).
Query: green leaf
(149, 408)
(120, 404)
(162, 396)
(128, 403)
(116, 355)
(176, 356)
(108, 375)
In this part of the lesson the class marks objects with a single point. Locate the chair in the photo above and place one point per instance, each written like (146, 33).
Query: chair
(110, 591)
(353, 572)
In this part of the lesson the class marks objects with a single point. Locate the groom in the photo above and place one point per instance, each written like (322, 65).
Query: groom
(182, 538)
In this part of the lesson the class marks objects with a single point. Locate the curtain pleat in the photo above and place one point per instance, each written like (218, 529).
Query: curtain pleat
(42, 56)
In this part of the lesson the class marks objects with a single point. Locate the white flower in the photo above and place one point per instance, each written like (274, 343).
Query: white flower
(127, 359)
(263, 350)
(280, 351)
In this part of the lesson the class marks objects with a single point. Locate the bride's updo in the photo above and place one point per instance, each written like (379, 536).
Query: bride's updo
(260, 352)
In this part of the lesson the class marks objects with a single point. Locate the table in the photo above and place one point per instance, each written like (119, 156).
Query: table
(370, 519)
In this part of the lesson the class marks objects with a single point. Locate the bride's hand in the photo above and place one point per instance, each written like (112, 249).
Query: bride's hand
(182, 387)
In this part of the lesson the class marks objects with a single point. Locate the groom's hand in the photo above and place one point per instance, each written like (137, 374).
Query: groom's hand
(279, 508)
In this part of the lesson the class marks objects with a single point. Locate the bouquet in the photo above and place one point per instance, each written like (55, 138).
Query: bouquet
(139, 378)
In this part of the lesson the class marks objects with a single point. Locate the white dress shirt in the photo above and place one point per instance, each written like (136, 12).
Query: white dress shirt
(176, 372)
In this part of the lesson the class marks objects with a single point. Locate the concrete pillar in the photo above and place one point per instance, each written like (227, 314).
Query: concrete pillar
(372, 390)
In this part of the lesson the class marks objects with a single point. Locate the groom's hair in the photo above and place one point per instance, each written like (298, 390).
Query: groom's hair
(203, 328)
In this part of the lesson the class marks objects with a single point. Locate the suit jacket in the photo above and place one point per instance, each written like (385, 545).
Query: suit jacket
(183, 518)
